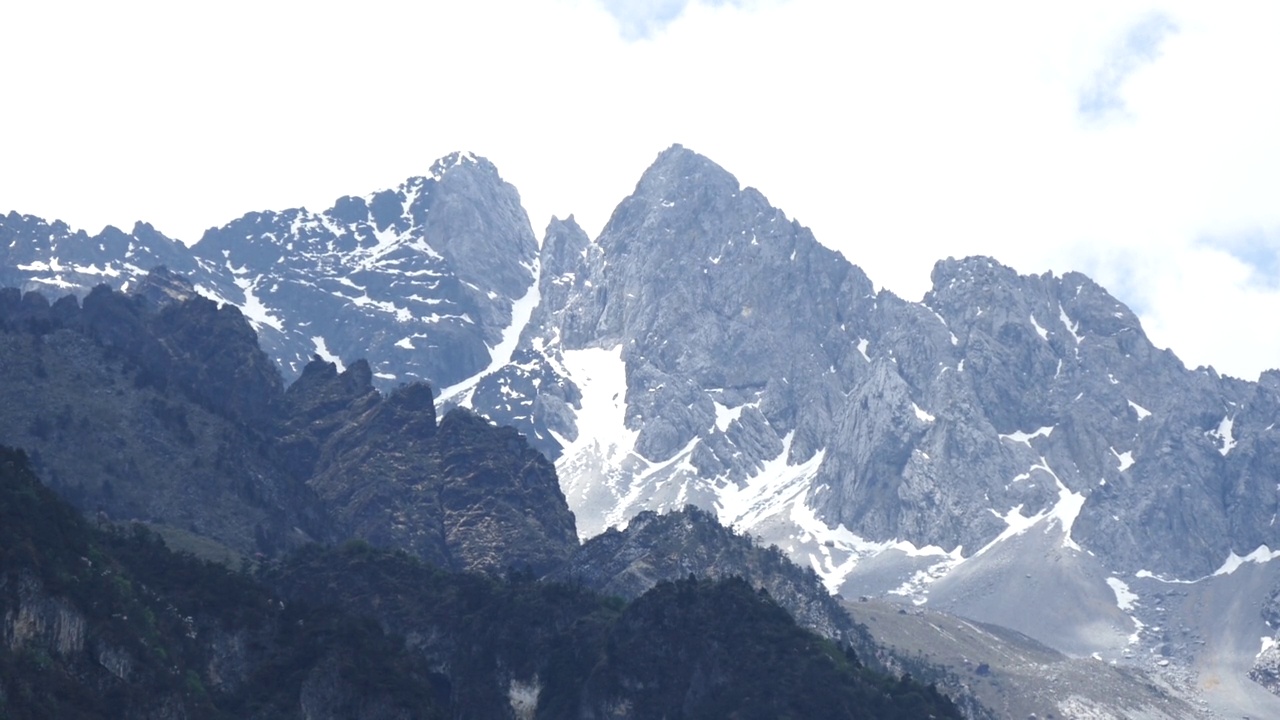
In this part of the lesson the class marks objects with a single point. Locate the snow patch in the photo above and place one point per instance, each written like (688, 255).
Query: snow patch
(1026, 438)
(106, 270)
(862, 348)
(916, 587)
(523, 698)
(922, 415)
(1147, 574)
(1138, 627)
(1072, 327)
(406, 343)
(1263, 554)
(253, 309)
(1223, 433)
(1233, 562)
(1044, 334)
(211, 294)
(1064, 512)
(1125, 598)
(726, 416)
(769, 490)
(402, 315)
(601, 376)
(500, 354)
(323, 351)
(1125, 459)
(1142, 412)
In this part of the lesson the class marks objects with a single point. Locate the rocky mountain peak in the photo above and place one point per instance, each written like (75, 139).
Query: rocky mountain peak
(677, 171)
(321, 391)
(1064, 307)
(563, 243)
(461, 159)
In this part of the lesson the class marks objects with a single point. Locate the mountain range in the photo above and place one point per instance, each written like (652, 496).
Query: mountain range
(1011, 448)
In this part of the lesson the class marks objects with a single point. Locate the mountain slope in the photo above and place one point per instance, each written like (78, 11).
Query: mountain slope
(706, 350)
(173, 415)
(424, 280)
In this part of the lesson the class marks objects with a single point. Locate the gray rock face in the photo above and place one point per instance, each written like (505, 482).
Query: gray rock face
(420, 279)
(175, 416)
(532, 392)
(462, 494)
(50, 258)
(752, 371)
(708, 288)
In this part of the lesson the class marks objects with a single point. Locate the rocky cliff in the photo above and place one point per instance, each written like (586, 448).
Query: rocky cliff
(171, 414)
(706, 349)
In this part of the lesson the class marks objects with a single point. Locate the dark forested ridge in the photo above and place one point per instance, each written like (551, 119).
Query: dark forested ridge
(111, 624)
(108, 622)
(170, 413)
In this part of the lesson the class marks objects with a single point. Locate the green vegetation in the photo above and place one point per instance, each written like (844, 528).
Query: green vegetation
(117, 625)
(120, 626)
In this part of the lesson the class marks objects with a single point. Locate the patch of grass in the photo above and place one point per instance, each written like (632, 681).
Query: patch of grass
(203, 548)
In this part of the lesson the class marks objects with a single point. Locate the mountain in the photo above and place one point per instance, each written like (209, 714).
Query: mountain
(705, 349)
(1011, 448)
(177, 382)
(427, 280)
(51, 258)
(172, 414)
(721, 356)
(109, 623)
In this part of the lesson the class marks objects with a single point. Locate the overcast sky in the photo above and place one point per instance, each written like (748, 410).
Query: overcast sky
(1137, 143)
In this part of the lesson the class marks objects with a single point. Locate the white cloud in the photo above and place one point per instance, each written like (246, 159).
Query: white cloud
(642, 19)
(900, 134)
(1101, 98)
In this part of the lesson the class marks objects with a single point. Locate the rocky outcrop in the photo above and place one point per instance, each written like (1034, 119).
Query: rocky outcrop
(420, 279)
(184, 386)
(1266, 669)
(467, 495)
(152, 415)
(502, 503)
(664, 548)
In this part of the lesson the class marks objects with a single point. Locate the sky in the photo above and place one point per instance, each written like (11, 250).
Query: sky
(1134, 142)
